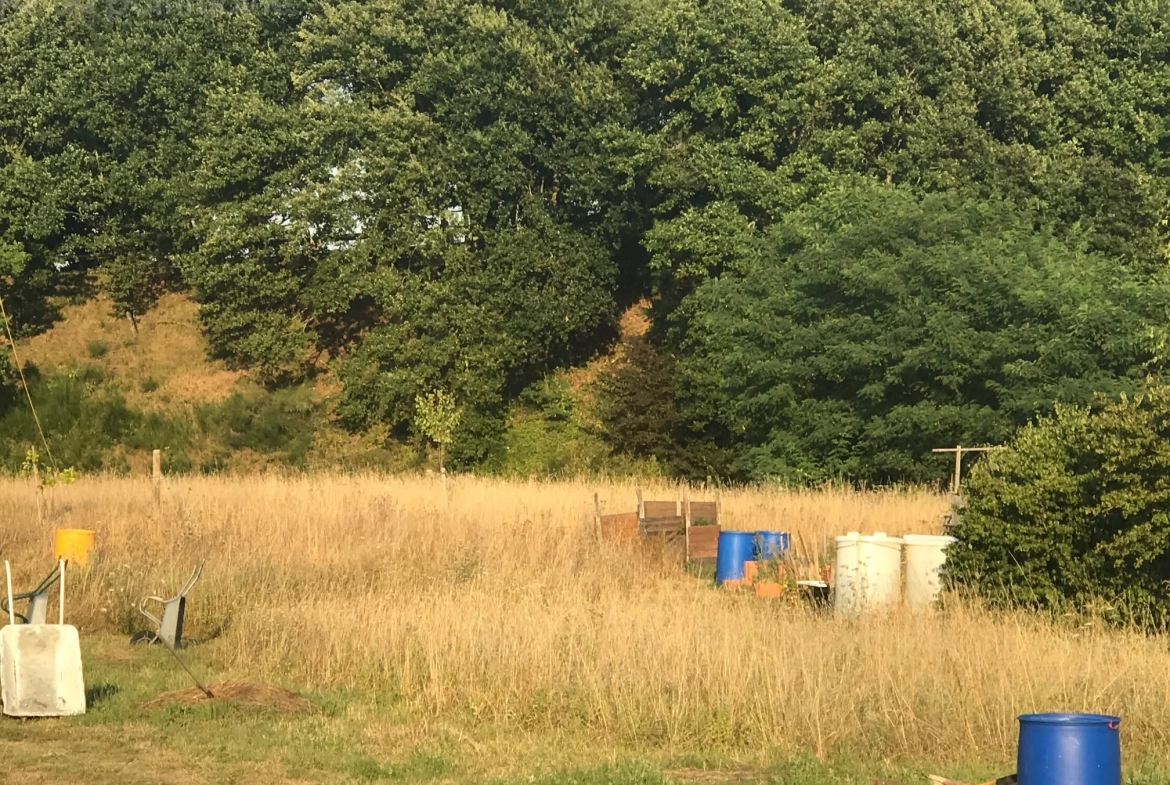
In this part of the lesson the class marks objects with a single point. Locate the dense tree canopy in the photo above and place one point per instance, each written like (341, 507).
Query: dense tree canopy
(871, 325)
(864, 228)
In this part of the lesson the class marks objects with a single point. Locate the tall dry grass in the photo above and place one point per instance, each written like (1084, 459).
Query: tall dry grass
(495, 604)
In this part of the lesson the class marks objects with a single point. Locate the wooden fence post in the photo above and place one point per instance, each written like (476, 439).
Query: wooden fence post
(687, 522)
(641, 509)
(156, 476)
(597, 515)
(40, 491)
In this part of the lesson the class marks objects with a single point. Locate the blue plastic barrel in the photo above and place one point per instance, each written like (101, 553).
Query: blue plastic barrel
(769, 545)
(1069, 749)
(734, 549)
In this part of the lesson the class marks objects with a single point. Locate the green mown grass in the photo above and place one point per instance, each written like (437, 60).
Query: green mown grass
(357, 737)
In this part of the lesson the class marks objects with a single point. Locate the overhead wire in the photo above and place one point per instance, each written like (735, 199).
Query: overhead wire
(24, 384)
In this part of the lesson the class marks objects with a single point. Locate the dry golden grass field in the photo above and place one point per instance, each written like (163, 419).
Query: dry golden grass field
(483, 634)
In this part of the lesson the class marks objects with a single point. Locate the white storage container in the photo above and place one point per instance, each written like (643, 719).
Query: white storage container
(925, 556)
(868, 572)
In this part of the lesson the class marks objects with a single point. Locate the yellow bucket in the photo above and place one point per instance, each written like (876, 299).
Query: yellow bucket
(73, 545)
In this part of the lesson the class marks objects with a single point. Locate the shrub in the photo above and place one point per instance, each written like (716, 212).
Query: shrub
(548, 434)
(149, 384)
(279, 424)
(1075, 513)
(636, 402)
(97, 349)
(83, 421)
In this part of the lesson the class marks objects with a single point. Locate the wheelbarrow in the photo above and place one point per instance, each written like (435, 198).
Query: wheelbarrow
(168, 629)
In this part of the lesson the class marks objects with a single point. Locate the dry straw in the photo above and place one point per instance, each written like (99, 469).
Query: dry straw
(496, 605)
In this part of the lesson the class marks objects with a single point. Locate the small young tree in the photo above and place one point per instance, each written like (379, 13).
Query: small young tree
(437, 416)
(133, 282)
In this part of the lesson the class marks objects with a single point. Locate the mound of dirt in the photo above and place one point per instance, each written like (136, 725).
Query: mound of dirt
(245, 693)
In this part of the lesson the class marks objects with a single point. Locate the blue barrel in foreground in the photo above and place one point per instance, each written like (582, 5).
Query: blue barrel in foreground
(734, 549)
(769, 545)
(1069, 749)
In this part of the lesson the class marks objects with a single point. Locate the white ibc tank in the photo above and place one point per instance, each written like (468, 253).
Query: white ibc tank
(925, 556)
(40, 670)
(868, 572)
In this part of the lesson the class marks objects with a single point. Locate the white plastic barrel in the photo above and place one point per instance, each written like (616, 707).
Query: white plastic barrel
(868, 572)
(925, 556)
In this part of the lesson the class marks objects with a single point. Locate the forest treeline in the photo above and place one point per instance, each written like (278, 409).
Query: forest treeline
(866, 229)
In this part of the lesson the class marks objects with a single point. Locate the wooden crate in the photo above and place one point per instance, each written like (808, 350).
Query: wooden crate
(662, 509)
(705, 511)
(704, 542)
(671, 527)
(666, 522)
(619, 527)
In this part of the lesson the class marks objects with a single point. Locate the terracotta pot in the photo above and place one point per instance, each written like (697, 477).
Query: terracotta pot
(751, 569)
(769, 589)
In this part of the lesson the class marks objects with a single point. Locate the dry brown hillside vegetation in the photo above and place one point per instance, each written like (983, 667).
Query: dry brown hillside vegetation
(168, 355)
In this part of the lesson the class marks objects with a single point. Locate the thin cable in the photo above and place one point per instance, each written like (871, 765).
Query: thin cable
(19, 370)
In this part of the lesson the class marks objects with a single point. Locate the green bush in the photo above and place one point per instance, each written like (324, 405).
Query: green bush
(547, 435)
(280, 424)
(97, 349)
(1075, 514)
(82, 420)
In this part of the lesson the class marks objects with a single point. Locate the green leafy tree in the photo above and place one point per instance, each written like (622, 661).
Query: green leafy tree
(492, 219)
(437, 416)
(133, 284)
(874, 325)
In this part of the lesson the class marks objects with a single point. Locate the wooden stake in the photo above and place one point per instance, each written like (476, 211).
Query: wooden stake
(156, 476)
(641, 509)
(40, 490)
(687, 521)
(597, 515)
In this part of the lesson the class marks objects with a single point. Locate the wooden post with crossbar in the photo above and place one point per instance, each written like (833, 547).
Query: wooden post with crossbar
(958, 450)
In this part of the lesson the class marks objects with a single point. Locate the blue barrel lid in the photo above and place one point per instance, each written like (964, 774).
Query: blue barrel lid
(1061, 718)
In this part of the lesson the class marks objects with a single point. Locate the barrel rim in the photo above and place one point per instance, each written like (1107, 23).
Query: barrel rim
(929, 539)
(878, 538)
(1068, 718)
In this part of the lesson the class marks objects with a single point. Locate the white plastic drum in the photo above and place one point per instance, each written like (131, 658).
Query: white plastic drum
(868, 572)
(925, 556)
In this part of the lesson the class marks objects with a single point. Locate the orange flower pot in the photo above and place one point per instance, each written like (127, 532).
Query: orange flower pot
(769, 589)
(751, 569)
